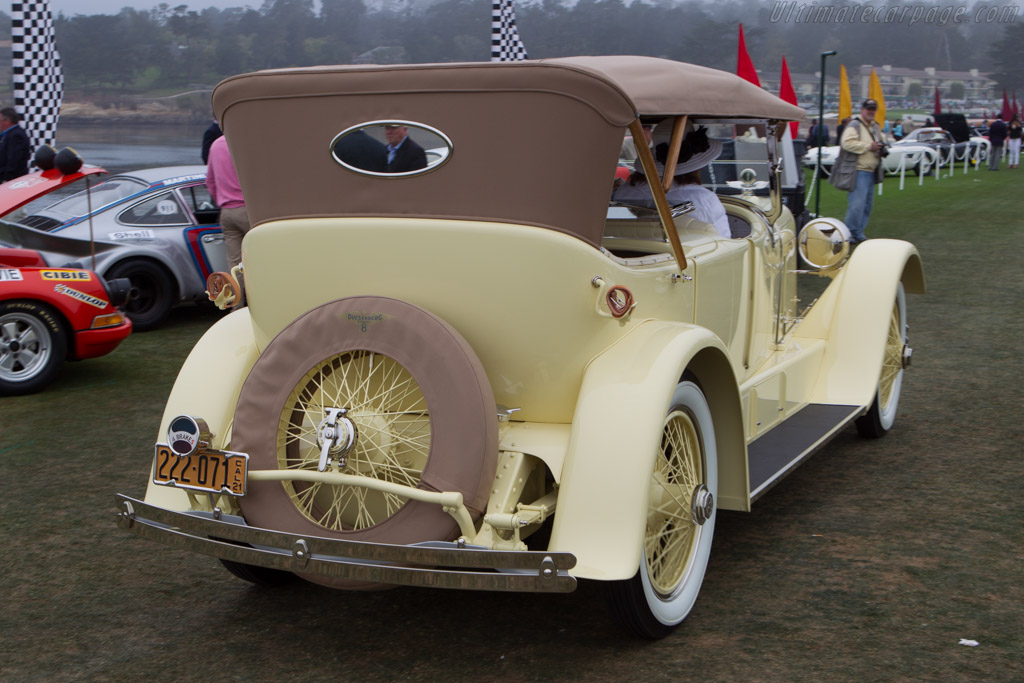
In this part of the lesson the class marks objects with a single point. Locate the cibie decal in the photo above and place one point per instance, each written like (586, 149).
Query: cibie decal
(10, 274)
(65, 275)
(132, 235)
(80, 296)
(364, 320)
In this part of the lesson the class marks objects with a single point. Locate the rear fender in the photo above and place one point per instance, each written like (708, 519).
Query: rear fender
(616, 434)
(853, 317)
(207, 386)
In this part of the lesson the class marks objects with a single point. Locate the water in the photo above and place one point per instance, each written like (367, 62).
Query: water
(120, 147)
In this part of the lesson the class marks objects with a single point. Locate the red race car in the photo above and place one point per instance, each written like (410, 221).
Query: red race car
(47, 314)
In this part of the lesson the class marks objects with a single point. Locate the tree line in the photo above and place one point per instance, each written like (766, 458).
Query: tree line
(180, 47)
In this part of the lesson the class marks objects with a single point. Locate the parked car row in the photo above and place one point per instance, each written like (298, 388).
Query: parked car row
(157, 227)
(50, 313)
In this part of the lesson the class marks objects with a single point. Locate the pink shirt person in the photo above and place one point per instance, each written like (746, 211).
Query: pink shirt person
(221, 177)
(222, 182)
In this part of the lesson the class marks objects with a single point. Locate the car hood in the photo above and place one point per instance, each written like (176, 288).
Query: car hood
(18, 192)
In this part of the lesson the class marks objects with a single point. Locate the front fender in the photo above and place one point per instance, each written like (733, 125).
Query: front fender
(207, 386)
(616, 434)
(853, 318)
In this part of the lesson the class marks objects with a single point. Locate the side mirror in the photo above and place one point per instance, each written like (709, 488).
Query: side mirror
(824, 244)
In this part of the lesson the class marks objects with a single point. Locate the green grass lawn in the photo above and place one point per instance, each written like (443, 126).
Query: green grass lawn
(869, 563)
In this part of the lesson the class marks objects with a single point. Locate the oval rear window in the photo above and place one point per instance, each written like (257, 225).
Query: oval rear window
(391, 148)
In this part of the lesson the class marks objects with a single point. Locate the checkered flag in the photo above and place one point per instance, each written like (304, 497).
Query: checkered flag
(505, 43)
(38, 77)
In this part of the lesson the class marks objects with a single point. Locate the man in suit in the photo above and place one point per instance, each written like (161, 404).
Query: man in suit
(15, 148)
(404, 154)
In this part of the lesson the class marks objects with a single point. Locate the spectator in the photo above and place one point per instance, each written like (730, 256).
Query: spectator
(222, 181)
(211, 134)
(359, 150)
(997, 136)
(696, 152)
(404, 154)
(861, 145)
(15, 148)
(812, 135)
(1014, 134)
(840, 127)
(897, 130)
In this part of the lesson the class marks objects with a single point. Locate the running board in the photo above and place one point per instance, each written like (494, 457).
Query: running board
(777, 453)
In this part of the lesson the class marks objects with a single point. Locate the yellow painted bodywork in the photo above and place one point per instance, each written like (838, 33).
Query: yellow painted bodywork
(592, 391)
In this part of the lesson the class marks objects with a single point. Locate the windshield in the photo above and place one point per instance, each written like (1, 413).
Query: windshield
(102, 195)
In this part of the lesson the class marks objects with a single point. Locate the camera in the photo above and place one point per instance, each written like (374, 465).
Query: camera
(883, 151)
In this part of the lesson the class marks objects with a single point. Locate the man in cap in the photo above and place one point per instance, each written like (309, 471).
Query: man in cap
(404, 154)
(863, 137)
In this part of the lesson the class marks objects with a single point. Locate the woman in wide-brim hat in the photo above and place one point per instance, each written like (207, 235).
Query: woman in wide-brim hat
(696, 152)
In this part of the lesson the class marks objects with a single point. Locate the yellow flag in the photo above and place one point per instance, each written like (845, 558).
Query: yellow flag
(845, 105)
(875, 93)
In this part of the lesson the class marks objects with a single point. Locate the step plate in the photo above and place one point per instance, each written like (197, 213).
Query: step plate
(776, 453)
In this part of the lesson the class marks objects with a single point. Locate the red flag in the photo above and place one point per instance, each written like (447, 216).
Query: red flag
(788, 94)
(745, 67)
(1006, 107)
(938, 102)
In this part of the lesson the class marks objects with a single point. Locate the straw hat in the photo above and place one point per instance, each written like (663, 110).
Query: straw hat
(696, 152)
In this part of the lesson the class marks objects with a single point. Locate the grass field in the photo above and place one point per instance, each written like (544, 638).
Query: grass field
(871, 562)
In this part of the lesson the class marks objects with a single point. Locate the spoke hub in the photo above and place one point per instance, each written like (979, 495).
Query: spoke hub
(335, 436)
(703, 505)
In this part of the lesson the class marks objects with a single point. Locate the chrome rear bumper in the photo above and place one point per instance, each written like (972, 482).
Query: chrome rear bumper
(466, 568)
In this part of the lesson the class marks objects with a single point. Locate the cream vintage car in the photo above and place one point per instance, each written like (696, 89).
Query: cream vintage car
(473, 375)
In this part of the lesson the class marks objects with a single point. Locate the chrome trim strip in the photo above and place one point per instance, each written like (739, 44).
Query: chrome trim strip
(466, 568)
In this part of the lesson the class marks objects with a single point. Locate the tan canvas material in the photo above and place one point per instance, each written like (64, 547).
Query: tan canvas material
(534, 142)
(463, 419)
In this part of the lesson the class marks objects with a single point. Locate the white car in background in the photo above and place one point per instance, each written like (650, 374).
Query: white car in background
(919, 159)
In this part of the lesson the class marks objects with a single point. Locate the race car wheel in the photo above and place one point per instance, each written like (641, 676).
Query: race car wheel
(156, 292)
(413, 403)
(882, 414)
(681, 512)
(33, 344)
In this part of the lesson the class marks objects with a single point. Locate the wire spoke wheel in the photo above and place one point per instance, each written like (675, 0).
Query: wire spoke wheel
(672, 533)
(680, 522)
(374, 389)
(892, 364)
(392, 443)
(882, 413)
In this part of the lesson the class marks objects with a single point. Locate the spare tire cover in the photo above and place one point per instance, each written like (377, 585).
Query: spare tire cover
(463, 442)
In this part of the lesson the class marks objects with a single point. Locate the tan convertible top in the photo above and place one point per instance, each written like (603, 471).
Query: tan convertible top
(533, 142)
(661, 86)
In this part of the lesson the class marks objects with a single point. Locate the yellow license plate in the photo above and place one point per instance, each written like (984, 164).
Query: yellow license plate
(205, 470)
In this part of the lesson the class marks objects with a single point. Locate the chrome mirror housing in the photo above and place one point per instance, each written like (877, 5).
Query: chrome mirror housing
(824, 243)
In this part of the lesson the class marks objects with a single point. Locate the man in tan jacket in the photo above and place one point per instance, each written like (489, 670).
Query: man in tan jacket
(863, 137)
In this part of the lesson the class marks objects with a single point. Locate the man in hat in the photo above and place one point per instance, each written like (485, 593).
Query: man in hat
(404, 154)
(696, 152)
(863, 137)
